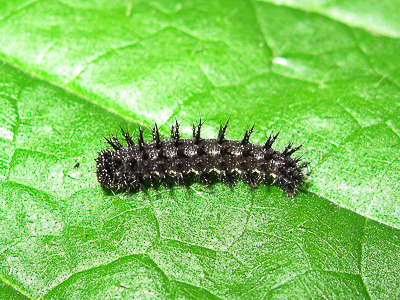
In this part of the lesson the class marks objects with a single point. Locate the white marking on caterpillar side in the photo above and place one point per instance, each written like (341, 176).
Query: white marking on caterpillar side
(237, 170)
(216, 171)
(194, 171)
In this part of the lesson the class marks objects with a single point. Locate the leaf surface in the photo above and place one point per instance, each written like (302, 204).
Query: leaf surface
(322, 73)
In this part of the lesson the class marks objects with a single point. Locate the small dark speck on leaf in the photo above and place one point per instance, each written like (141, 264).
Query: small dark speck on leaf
(77, 165)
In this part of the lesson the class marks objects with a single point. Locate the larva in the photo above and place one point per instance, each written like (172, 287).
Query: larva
(129, 167)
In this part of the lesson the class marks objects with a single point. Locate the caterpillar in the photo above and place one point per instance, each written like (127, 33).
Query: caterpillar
(129, 167)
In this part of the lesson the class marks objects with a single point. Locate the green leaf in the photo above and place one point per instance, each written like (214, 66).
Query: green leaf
(326, 74)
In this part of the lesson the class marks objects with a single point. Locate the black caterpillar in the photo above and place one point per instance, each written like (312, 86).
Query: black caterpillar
(131, 166)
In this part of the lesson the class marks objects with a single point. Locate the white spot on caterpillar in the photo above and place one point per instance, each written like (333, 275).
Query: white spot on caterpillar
(216, 171)
(194, 171)
(236, 170)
